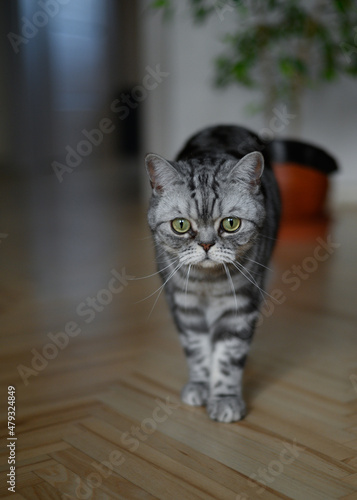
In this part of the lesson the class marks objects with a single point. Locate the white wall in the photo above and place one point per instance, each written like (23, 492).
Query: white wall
(187, 100)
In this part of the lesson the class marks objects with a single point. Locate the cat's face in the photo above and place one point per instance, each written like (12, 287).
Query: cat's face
(206, 216)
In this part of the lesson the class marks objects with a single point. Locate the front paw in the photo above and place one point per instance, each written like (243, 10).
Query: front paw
(226, 408)
(195, 393)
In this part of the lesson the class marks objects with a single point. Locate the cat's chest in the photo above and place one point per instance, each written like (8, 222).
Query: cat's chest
(212, 296)
(213, 302)
(214, 289)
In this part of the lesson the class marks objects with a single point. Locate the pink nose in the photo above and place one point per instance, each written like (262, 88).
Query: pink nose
(206, 246)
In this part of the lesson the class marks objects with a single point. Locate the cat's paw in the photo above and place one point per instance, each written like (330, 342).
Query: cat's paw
(195, 393)
(226, 408)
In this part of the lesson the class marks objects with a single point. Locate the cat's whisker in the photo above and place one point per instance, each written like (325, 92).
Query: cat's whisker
(165, 261)
(160, 252)
(162, 287)
(163, 252)
(232, 285)
(269, 237)
(251, 279)
(258, 263)
(186, 286)
(150, 275)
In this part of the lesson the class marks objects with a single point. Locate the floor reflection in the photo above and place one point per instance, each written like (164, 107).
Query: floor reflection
(63, 238)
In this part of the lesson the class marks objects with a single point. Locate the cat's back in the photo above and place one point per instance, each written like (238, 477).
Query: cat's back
(228, 140)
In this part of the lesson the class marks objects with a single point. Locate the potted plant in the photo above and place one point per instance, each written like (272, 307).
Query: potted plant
(281, 48)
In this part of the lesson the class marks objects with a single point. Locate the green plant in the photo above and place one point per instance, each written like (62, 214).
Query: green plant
(281, 47)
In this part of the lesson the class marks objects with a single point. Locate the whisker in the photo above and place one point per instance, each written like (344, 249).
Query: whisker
(153, 274)
(188, 274)
(161, 251)
(252, 280)
(258, 263)
(269, 237)
(232, 285)
(162, 286)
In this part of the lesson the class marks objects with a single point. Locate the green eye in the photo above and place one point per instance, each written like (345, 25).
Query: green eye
(181, 225)
(230, 224)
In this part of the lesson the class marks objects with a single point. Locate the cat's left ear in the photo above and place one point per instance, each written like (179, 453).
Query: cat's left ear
(160, 171)
(249, 169)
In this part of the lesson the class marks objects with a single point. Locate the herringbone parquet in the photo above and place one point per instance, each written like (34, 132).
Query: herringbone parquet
(99, 416)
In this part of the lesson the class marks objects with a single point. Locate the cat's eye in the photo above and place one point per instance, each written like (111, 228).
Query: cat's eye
(230, 224)
(180, 225)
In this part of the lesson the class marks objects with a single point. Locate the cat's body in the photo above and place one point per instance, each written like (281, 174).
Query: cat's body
(214, 215)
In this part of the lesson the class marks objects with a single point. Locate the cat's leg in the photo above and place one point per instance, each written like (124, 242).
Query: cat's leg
(189, 317)
(197, 348)
(229, 353)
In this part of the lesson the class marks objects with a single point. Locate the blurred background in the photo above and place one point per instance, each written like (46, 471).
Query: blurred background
(87, 88)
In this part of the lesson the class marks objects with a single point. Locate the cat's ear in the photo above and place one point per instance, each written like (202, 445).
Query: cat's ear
(249, 169)
(160, 171)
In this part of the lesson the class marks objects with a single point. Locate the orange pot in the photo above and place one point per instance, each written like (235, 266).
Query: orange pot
(303, 191)
(302, 173)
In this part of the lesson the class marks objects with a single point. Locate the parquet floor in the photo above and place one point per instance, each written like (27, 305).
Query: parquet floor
(98, 416)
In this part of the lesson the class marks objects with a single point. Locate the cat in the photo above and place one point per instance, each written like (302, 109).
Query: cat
(214, 215)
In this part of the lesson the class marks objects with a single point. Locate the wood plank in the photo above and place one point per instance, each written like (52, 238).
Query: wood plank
(13, 496)
(88, 468)
(136, 470)
(44, 491)
(39, 451)
(71, 485)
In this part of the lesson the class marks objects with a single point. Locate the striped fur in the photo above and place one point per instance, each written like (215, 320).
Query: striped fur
(215, 291)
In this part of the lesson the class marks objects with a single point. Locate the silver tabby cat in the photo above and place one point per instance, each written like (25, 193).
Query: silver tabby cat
(214, 215)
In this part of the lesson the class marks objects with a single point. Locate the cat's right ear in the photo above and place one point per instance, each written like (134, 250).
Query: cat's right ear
(160, 171)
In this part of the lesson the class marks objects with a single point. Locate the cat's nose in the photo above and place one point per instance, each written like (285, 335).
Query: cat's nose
(206, 246)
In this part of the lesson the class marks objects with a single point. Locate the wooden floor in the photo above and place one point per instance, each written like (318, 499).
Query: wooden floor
(99, 415)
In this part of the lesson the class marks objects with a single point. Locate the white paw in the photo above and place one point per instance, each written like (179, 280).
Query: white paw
(195, 393)
(226, 409)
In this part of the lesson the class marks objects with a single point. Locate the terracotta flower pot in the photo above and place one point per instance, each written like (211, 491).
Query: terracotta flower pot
(302, 172)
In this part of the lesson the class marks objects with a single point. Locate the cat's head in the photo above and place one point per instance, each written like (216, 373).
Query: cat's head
(206, 214)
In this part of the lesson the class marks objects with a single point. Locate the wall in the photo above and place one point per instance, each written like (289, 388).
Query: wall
(187, 100)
